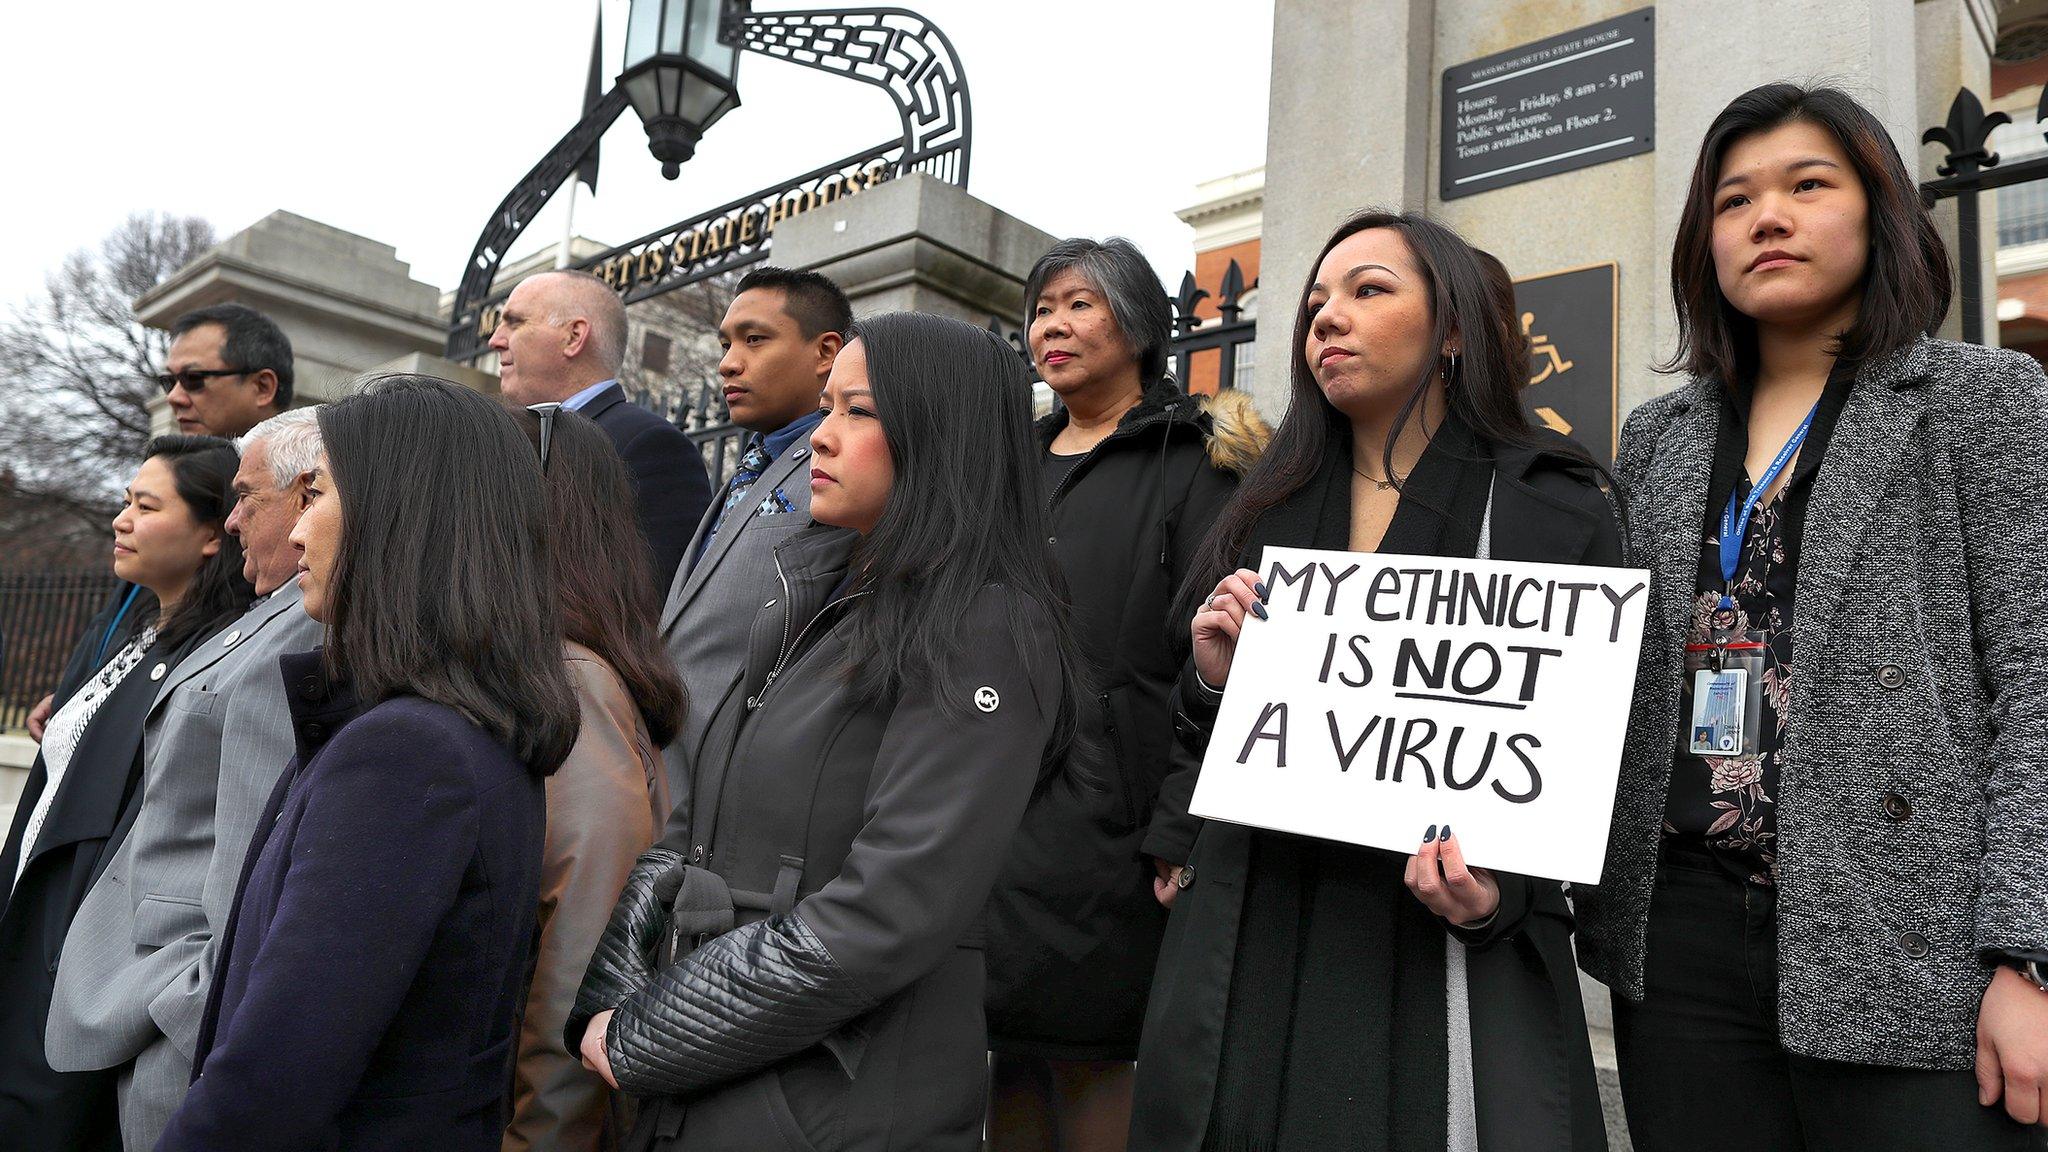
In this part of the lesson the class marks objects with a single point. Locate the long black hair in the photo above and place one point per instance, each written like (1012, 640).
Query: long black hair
(964, 511)
(441, 587)
(607, 606)
(203, 471)
(1905, 284)
(1481, 385)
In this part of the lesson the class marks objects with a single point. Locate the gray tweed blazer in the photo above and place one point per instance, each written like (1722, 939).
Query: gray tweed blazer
(1913, 801)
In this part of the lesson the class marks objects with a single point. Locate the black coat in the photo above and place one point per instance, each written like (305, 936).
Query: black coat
(854, 843)
(367, 989)
(1530, 1053)
(95, 804)
(671, 488)
(1073, 926)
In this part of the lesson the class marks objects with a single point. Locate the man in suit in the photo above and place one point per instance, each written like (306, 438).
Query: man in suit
(138, 959)
(562, 339)
(780, 337)
(228, 368)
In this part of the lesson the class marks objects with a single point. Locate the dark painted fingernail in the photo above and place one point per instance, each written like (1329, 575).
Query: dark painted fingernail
(1260, 588)
(1447, 833)
(1259, 610)
(1429, 835)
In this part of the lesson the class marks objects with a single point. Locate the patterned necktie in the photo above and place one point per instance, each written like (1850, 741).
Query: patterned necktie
(752, 463)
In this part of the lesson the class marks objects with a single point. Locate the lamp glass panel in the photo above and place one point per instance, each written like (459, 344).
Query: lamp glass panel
(673, 15)
(704, 46)
(703, 101)
(642, 22)
(668, 78)
(644, 93)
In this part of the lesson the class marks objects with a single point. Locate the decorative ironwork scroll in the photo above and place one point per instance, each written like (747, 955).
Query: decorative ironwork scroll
(893, 49)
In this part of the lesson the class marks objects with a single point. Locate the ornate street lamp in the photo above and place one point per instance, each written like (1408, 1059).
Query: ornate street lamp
(680, 74)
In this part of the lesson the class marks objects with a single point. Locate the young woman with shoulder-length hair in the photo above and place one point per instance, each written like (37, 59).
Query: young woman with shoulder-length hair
(1819, 909)
(607, 802)
(798, 964)
(171, 543)
(368, 985)
(1313, 994)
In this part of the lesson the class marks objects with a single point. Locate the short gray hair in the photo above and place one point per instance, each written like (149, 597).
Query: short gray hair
(1126, 282)
(592, 298)
(294, 440)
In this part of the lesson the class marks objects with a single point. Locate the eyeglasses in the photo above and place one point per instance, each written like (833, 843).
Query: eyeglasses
(547, 413)
(193, 380)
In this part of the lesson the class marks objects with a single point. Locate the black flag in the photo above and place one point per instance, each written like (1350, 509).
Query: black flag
(593, 91)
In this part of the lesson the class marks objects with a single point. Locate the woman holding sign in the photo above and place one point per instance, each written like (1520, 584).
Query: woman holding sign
(1824, 894)
(1313, 994)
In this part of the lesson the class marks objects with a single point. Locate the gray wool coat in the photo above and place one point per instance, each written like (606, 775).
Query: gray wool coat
(1913, 804)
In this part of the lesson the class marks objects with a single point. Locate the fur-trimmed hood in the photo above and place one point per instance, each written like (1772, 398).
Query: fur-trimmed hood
(1234, 433)
(1237, 434)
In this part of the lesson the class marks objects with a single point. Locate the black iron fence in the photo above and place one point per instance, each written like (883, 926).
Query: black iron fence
(1970, 168)
(42, 615)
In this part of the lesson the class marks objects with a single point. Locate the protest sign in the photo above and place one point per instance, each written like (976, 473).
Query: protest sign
(1388, 693)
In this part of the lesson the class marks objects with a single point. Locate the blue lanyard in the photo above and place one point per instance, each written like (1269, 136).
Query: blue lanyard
(1735, 527)
(113, 624)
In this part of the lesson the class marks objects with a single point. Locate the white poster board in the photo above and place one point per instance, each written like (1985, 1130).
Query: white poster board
(1385, 694)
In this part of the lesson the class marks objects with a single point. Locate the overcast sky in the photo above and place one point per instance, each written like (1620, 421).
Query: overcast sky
(408, 120)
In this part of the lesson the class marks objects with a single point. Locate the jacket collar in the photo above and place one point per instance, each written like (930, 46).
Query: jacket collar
(1901, 369)
(285, 599)
(1162, 402)
(613, 394)
(320, 706)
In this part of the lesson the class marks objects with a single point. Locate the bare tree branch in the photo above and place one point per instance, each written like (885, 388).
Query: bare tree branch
(80, 369)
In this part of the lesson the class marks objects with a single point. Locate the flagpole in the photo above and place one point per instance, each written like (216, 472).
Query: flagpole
(568, 225)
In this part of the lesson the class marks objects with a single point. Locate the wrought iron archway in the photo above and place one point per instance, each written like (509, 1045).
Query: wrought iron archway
(894, 49)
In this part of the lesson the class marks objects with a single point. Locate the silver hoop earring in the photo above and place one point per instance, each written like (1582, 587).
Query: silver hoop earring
(1450, 366)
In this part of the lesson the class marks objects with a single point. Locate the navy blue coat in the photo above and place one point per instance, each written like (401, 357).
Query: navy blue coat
(671, 488)
(371, 976)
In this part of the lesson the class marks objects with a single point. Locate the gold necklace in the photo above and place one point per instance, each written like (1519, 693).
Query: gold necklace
(1376, 482)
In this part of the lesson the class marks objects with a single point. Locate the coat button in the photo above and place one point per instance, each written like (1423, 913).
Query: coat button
(1914, 945)
(1051, 540)
(316, 733)
(1890, 677)
(1896, 808)
(1185, 878)
(313, 688)
(157, 673)
(228, 641)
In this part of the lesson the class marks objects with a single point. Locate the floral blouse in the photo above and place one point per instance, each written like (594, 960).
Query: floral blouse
(1728, 804)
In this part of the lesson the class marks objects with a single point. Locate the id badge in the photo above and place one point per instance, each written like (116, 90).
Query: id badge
(1718, 700)
(1725, 712)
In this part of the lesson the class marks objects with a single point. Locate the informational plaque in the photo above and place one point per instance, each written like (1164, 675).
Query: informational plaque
(1385, 694)
(1575, 100)
(1570, 320)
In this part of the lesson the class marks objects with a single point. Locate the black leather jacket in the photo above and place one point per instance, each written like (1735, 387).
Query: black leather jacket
(859, 842)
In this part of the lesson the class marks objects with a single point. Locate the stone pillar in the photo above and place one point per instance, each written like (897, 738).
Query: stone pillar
(1955, 38)
(916, 244)
(347, 303)
(1350, 128)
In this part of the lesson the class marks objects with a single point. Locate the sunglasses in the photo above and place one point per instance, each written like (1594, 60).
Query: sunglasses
(547, 413)
(193, 380)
